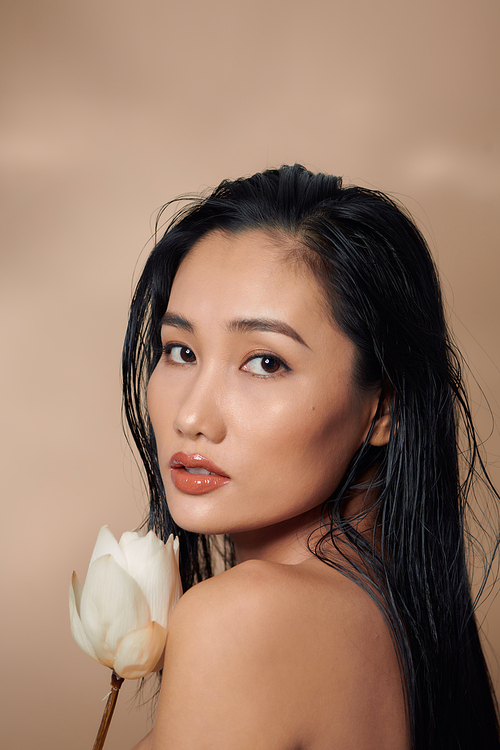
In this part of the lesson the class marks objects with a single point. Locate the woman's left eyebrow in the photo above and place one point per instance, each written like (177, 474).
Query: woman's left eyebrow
(267, 325)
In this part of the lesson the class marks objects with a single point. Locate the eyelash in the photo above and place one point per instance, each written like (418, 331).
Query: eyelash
(282, 366)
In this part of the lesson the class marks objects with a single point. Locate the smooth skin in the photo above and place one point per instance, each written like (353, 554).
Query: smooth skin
(281, 652)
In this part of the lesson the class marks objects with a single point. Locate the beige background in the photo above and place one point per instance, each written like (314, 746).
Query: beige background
(112, 107)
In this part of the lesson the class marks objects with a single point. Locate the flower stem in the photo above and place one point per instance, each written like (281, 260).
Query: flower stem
(116, 683)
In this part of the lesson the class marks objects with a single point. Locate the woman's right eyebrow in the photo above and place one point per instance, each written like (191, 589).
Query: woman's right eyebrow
(177, 321)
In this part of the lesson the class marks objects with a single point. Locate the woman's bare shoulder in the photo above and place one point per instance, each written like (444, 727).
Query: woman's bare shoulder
(264, 640)
(240, 610)
(246, 592)
(266, 599)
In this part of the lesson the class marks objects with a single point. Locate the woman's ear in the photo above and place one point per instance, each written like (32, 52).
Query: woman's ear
(382, 429)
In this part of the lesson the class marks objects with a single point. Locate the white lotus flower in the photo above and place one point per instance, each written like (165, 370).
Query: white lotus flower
(119, 617)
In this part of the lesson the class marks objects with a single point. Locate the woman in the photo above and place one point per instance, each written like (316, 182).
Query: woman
(303, 400)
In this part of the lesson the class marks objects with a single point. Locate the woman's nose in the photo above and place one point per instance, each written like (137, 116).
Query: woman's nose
(200, 412)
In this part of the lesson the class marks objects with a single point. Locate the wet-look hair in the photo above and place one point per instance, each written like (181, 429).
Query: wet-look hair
(383, 291)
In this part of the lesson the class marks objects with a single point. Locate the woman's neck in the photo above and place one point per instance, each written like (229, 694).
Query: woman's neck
(290, 542)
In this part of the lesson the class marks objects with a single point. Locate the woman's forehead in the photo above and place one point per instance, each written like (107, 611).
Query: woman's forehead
(252, 268)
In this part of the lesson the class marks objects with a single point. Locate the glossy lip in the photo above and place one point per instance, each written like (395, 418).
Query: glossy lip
(196, 484)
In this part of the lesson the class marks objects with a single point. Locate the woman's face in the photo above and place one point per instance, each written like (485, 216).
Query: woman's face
(254, 389)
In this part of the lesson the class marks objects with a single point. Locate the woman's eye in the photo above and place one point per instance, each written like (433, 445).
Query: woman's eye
(265, 364)
(179, 354)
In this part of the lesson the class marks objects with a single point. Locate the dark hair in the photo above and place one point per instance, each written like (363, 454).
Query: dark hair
(384, 293)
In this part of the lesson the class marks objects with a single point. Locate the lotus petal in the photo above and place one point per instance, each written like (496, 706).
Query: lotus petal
(153, 565)
(139, 651)
(112, 604)
(106, 544)
(175, 545)
(175, 592)
(77, 629)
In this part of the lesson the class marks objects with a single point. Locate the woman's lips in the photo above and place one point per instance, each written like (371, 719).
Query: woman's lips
(195, 474)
